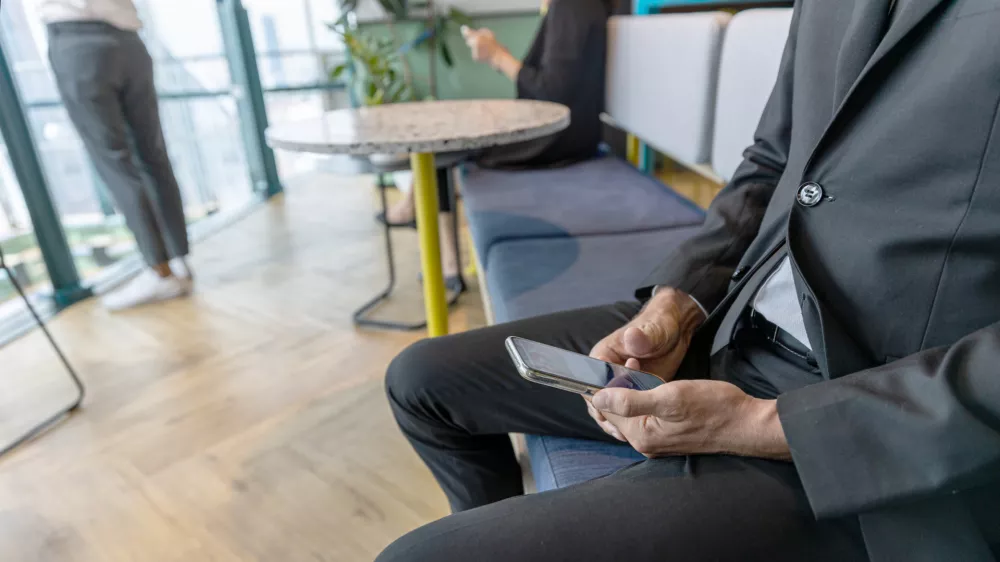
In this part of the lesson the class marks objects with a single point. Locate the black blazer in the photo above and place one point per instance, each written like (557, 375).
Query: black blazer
(566, 64)
(898, 268)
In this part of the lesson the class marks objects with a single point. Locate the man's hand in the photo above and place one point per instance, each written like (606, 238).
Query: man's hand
(658, 337)
(691, 417)
(655, 341)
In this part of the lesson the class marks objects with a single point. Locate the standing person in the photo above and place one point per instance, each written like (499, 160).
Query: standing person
(105, 77)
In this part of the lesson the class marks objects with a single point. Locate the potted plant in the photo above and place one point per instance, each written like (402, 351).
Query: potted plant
(380, 62)
(376, 67)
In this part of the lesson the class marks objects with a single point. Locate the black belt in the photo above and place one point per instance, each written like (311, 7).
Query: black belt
(772, 333)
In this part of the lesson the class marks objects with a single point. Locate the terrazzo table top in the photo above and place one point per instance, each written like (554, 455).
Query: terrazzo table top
(429, 127)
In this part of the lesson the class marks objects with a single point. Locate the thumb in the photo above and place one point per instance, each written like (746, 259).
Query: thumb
(648, 339)
(467, 31)
(624, 402)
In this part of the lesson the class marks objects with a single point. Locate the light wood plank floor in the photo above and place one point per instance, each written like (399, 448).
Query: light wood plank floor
(246, 423)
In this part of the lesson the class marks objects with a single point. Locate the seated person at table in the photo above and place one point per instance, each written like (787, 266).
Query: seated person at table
(841, 403)
(565, 65)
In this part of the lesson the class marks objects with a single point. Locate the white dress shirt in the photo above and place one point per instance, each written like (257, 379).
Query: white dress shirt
(777, 300)
(119, 13)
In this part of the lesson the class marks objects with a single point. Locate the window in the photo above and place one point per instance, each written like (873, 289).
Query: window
(197, 110)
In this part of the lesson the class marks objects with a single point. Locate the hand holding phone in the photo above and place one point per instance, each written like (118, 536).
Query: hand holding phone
(573, 372)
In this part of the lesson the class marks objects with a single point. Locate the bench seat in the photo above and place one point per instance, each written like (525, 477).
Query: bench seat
(535, 276)
(605, 195)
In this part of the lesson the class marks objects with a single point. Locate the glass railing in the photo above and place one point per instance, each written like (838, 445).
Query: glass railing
(198, 105)
(17, 240)
(200, 122)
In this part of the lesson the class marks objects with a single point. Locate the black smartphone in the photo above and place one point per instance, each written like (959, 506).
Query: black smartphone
(573, 372)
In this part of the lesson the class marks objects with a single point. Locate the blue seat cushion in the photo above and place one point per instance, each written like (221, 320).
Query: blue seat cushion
(557, 462)
(605, 195)
(540, 276)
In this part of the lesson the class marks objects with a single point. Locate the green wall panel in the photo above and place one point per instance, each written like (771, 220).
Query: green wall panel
(467, 79)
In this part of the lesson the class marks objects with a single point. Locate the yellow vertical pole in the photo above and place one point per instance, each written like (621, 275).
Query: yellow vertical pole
(632, 150)
(425, 192)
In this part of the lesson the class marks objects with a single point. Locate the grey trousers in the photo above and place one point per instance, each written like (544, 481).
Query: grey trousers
(105, 77)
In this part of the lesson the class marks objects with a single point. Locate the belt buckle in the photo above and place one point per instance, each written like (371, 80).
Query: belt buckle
(757, 320)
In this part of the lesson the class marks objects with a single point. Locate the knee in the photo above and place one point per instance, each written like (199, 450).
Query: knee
(417, 373)
(429, 543)
(401, 551)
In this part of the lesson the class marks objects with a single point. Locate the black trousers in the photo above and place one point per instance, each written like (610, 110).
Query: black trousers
(456, 398)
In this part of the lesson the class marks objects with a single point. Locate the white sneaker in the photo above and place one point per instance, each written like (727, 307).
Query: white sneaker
(180, 269)
(146, 288)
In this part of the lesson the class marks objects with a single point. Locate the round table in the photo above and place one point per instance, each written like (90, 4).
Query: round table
(423, 129)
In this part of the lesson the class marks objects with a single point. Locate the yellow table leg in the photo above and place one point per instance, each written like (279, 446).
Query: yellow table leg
(632, 150)
(425, 192)
(470, 269)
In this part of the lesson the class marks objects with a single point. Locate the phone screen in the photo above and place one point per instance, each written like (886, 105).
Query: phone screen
(580, 368)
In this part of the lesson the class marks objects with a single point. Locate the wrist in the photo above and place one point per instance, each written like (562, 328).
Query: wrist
(688, 312)
(497, 58)
(504, 62)
(767, 437)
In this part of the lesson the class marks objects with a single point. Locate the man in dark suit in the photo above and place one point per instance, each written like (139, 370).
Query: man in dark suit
(842, 400)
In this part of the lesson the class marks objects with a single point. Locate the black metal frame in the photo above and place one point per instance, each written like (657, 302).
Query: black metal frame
(81, 391)
(361, 316)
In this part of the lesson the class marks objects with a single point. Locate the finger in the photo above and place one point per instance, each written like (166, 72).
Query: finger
(626, 403)
(466, 31)
(605, 352)
(595, 413)
(603, 423)
(633, 363)
(648, 339)
(613, 431)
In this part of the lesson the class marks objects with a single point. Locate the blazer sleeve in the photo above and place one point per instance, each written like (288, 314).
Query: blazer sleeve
(569, 26)
(703, 265)
(926, 425)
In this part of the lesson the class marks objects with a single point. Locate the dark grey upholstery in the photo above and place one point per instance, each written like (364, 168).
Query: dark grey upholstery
(605, 195)
(538, 276)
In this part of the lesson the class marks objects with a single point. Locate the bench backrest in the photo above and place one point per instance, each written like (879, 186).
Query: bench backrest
(751, 55)
(662, 72)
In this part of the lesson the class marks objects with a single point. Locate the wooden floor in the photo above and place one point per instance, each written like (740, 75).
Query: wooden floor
(247, 423)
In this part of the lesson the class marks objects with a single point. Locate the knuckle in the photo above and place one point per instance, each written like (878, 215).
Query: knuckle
(624, 403)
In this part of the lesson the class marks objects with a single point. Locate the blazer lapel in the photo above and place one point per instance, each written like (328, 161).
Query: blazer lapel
(911, 15)
(869, 19)
(905, 22)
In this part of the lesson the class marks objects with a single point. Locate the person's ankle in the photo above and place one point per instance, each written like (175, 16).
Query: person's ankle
(163, 270)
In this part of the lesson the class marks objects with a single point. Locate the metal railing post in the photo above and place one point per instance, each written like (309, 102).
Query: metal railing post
(249, 95)
(37, 197)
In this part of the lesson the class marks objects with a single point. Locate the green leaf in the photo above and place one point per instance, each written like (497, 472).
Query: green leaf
(459, 17)
(372, 89)
(395, 8)
(338, 71)
(449, 61)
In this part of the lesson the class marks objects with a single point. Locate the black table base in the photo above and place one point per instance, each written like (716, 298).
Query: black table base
(62, 413)
(362, 316)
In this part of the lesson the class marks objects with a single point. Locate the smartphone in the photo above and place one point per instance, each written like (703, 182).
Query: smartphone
(566, 370)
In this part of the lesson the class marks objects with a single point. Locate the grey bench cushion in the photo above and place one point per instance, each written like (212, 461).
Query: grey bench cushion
(605, 195)
(540, 276)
